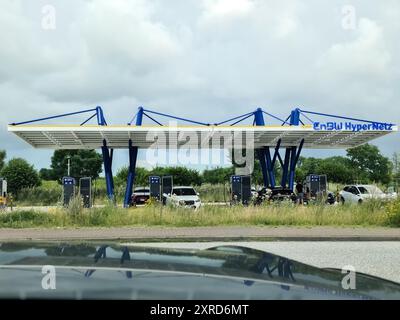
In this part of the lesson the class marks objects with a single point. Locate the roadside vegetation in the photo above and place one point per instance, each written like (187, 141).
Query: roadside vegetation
(364, 164)
(368, 214)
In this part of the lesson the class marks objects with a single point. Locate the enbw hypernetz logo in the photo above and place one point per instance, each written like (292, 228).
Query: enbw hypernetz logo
(349, 126)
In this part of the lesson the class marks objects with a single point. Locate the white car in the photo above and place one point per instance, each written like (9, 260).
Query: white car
(183, 197)
(360, 193)
(254, 193)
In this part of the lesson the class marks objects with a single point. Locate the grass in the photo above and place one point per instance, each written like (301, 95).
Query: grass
(373, 213)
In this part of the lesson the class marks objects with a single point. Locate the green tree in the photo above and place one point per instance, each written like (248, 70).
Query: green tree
(84, 163)
(307, 166)
(218, 175)
(19, 175)
(141, 176)
(337, 169)
(396, 165)
(181, 175)
(369, 164)
(47, 174)
(3, 155)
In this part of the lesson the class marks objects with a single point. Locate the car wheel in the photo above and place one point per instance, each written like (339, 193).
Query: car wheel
(360, 201)
(342, 201)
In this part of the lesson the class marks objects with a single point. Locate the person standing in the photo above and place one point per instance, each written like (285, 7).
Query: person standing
(300, 192)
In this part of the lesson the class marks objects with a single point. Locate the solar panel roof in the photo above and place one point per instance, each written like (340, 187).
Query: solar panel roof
(145, 136)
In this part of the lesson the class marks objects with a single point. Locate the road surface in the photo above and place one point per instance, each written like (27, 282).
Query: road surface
(236, 233)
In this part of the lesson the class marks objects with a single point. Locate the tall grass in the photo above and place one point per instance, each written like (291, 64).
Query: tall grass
(44, 195)
(374, 213)
(213, 192)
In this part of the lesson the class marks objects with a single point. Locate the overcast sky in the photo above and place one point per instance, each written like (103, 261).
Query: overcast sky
(207, 60)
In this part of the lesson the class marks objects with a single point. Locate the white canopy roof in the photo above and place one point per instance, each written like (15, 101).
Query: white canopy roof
(92, 136)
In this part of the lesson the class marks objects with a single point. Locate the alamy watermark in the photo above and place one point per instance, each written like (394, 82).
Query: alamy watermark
(204, 147)
(349, 17)
(48, 21)
(49, 278)
(349, 280)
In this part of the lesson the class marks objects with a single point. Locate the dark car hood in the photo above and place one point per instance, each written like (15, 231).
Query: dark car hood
(112, 271)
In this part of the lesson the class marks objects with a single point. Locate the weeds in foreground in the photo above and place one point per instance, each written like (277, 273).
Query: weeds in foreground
(372, 213)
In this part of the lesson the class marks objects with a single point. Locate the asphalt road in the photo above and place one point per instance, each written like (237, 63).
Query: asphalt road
(378, 258)
(227, 233)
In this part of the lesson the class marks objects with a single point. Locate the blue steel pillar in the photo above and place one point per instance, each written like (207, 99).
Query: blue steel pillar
(285, 168)
(261, 157)
(295, 158)
(259, 121)
(133, 152)
(294, 121)
(107, 159)
(270, 167)
(107, 156)
(295, 117)
(292, 170)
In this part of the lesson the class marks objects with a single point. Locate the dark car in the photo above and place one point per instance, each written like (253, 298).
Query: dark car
(140, 196)
(112, 271)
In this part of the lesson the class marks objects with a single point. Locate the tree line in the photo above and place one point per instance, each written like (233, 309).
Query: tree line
(363, 164)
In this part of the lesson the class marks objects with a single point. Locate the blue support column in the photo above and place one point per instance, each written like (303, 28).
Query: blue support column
(295, 117)
(295, 158)
(263, 164)
(107, 158)
(294, 121)
(276, 153)
(111, 162)
(293, 153)
(285, 168)
(100, 116)
(270, 168)
(259, 121)
(133, 152)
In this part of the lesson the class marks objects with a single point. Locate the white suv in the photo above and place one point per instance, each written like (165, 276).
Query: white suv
(360, 193)
(184, 197)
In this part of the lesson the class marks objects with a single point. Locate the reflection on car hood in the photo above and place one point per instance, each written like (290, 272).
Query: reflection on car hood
(112, 271)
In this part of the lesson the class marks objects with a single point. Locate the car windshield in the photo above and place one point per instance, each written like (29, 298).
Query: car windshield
(184, 191)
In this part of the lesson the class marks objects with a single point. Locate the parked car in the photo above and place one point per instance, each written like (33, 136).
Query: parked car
(140, 195)
(360, 193)
(135, 273)
(183, 196)
(254, 193)
(391, 191)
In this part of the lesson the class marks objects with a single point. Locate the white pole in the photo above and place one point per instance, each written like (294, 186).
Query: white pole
(69, 165)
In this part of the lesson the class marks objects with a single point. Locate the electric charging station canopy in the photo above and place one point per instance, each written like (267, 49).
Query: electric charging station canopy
(117, 137)
(330, 132)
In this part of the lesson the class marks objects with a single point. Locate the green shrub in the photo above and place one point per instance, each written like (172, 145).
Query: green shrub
(393, 213)
(40, 196)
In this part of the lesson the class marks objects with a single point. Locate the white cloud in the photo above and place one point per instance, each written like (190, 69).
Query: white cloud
(366, 55)
(207, 60)
(218, 9)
